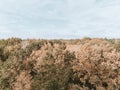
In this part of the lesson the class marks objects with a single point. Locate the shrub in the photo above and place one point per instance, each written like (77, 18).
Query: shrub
(95, 66)
(92, 64)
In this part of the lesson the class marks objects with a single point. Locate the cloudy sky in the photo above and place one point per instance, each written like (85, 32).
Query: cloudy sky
(59, 18)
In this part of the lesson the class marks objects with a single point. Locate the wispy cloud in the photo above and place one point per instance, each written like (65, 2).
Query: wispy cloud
(96, 17)
(59, 18)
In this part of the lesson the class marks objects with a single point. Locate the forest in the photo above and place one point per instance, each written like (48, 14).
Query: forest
(60, 64)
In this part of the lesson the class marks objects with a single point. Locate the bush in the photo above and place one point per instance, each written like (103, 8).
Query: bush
(92, 64)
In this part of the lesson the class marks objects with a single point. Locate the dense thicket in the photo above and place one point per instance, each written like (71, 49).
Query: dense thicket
(82, 64)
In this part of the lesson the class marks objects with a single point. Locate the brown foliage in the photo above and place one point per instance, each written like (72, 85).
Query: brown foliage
(83, 64)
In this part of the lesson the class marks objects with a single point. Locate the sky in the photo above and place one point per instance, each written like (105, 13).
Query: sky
(59, 19)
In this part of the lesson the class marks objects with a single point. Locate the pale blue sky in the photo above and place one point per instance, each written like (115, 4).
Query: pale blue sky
(59, 18)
